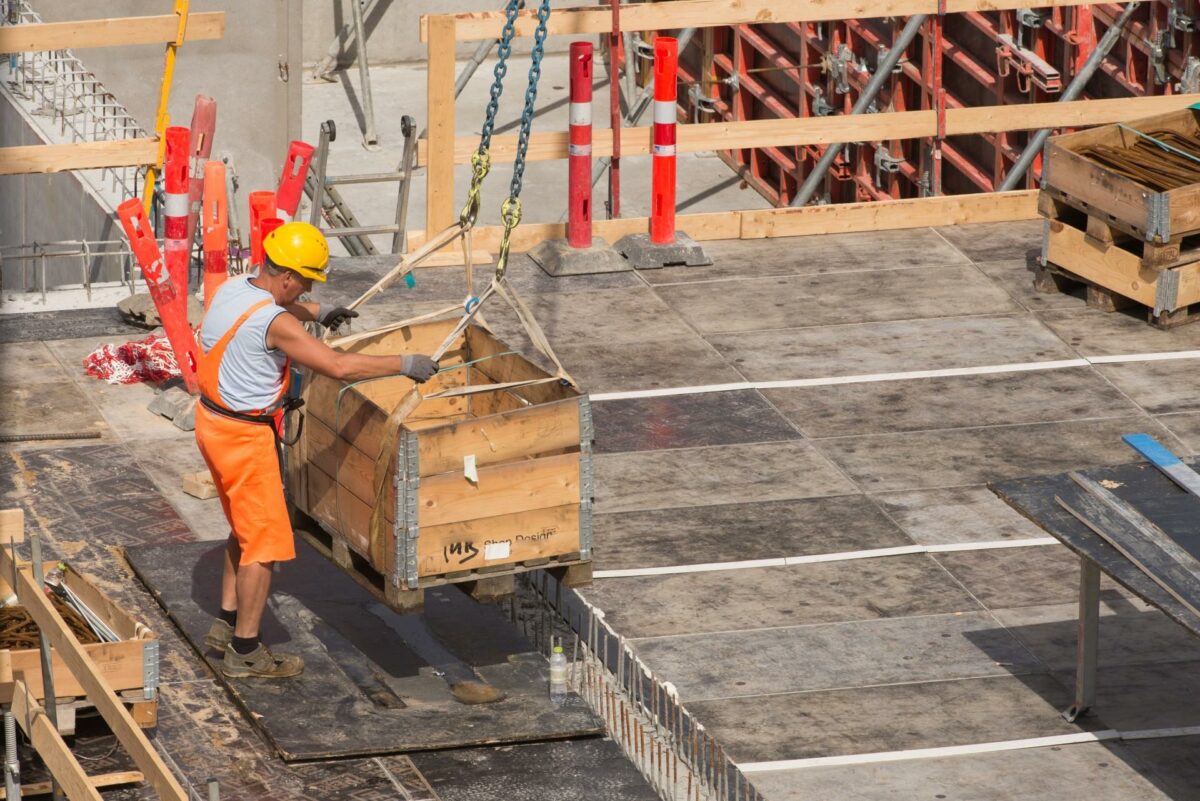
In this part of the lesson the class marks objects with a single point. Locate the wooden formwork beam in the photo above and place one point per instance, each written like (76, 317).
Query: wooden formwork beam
(715, 13)
(77, 156)
(110, 32)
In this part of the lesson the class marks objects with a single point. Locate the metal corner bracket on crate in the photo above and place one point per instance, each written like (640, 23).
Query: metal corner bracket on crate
(407, 481)
(150, 669)
(1158, 226)
(586, 480)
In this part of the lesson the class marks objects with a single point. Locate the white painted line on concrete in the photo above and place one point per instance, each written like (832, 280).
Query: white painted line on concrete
(963, 750)
(808, 559)
(908, 375)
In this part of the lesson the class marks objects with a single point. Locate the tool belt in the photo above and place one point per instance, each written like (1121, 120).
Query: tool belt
(275, 419)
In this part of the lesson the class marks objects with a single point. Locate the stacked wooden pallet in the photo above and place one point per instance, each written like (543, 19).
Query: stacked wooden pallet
(1122, 209)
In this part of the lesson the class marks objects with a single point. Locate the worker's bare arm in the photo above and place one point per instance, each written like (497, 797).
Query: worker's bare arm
(287, 334)
(304, 312)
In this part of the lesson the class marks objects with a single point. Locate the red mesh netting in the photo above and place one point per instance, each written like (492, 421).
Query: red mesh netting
(149, 360)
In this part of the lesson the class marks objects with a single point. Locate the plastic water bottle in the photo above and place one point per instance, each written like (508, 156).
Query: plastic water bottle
(558, 676)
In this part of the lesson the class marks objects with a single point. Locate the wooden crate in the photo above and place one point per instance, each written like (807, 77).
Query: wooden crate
(1157, 217)
(129, 667)
(1116, 275)
(529, 507)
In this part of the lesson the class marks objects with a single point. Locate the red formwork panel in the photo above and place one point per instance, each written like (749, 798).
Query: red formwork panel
(986, 58)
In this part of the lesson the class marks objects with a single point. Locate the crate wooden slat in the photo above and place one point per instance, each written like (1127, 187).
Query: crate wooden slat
(529, 507)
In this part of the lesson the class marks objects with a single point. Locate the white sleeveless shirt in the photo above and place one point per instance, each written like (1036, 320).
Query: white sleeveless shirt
(251, 374)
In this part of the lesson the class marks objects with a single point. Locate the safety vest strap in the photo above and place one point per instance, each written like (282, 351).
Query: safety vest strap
(210, 368)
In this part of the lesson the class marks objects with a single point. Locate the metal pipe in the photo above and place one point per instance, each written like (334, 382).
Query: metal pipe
(1017, 173)
(882, 74)
(408, 127)
(342, 41)
(469, 68)
(370, 138)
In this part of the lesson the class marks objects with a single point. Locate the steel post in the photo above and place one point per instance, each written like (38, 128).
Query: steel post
(370, 138)
(1087, 642)
(408, 127)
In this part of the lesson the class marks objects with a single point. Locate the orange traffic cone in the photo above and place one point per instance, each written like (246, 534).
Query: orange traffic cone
(215, 229)
(262, 207)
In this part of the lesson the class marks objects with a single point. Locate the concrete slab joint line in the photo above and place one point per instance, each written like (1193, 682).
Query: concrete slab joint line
(908, 375)
(1105, 735)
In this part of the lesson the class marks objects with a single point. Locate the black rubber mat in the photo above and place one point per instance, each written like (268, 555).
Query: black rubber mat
(71, 324)
(364, 690)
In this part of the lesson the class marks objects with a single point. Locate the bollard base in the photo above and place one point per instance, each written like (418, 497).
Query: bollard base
(646, 255)
(557, 258)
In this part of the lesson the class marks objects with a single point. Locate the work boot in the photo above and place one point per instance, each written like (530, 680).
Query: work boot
(260, 663)
(219, 635)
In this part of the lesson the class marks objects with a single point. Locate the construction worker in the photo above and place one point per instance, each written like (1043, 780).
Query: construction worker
(251, 334)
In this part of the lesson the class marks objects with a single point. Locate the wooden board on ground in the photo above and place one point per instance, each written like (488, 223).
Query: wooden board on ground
(471, 486)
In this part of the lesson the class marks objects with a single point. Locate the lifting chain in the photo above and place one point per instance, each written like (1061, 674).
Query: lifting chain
(510, 211)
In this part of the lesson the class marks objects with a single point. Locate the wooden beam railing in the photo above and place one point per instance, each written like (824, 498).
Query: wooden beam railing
(443, 150)
(78, 156)
(110, 32)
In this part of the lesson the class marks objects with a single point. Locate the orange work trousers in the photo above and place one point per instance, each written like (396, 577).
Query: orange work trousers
(243, 458)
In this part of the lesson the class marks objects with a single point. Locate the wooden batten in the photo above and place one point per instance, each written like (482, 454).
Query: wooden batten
(490, 541)
(501, 489)
(499, 438)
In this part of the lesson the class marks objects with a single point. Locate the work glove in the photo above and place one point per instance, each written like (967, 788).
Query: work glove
(335, 318)
(418, 367)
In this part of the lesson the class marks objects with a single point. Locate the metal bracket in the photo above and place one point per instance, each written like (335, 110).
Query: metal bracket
(586, 480)
(406, 482)
(1158, 54)
(885, 162)
(1190, 81)
(150, 671)
(882, 57)
(1158, 226)
(839, 65)
(1166, 292)
(820, 106)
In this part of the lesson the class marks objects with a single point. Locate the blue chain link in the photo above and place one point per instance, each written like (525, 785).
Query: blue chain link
(503, 50)
(535, 73)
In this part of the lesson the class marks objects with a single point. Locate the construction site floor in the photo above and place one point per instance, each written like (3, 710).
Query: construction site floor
(783, 663)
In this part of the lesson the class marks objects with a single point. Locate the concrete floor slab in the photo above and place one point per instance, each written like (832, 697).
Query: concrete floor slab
(1185, 427)
(764, 597)
(1095, 333)
(166, 463)
(757, 258)
(803, 301)
(1130, 634)
(1091, 771)
(649, 364)
(774, 471)
(977, 455)
(1015, 276)
(1158, 387)
(954, 402)
(28, 363)
(683, 421)
(740, 531)
(1010, 577)
(837, 656)
(593, 768)
(896, 717)
(48, 407)
(889, 347)
(1133, 697)
(959, 514)
(1172, 765)
(992, 241)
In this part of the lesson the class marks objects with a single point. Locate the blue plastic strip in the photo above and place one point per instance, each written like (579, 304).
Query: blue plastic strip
(1159, 144)
(1152, 449)
(410, 281)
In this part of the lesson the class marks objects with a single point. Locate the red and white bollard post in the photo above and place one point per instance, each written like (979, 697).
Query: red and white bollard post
(215, 227)
(162, 290)
(662, 204)
(204, 124)
(579, 158)
(262, 207)
(663, 246)
(176, 179)
(580, 254)
(291, 181)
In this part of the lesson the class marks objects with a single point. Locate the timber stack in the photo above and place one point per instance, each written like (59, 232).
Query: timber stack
(473, 485)
(1122, 209)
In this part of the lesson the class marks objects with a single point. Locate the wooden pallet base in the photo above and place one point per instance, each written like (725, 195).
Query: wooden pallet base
(1103, 229)
(1053, 279)
(486, 586)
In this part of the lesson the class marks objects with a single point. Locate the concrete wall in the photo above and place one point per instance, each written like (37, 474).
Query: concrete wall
(254, 73)
(393, 28)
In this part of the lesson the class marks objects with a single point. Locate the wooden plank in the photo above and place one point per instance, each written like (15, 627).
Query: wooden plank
(799, 131)
(353, 469)
(499, 438)
(111, 32)
(1102, 190)
(50, 746)
(513, 367)
(342, 512)
(120, 663)
(26, 159)
(439, 173)
(890, 214)
(12, 526)
(88, 675)
(710, 13)
(1113, 267)
(508, 539)
(501, 489)
(98, 781)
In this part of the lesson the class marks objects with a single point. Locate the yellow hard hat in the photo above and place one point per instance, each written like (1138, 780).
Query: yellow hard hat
(299, 247)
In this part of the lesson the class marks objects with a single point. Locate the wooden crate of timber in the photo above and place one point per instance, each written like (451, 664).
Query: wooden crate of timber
(129, 666)
(1149, 207)
(477, 488)
(1116, 269)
